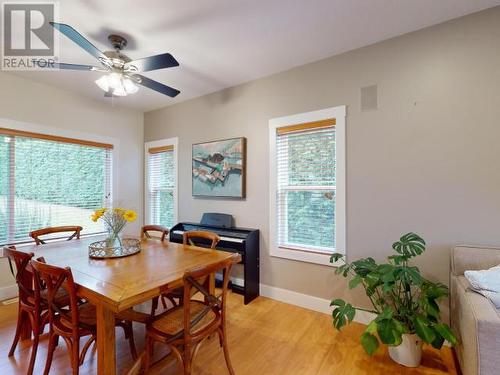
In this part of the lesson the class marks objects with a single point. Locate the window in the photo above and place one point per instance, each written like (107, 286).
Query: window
(48, 181)
(161, 182)
(307, 185)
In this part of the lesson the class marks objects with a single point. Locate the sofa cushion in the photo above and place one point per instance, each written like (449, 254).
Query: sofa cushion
(485, 279)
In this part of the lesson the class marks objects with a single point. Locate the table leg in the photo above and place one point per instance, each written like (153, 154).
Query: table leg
(106, 357)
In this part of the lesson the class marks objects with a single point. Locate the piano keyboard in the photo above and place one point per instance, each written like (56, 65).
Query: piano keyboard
(228, 239)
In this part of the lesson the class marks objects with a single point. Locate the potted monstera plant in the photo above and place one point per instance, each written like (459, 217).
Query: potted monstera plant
(404, 303)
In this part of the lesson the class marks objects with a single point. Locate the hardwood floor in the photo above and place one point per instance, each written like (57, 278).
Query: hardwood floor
(266, 337)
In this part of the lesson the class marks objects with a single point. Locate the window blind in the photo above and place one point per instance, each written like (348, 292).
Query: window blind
(50, 181)
(161, 184)
(306, 187)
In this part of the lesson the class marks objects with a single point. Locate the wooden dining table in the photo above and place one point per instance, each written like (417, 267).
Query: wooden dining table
(116, 285)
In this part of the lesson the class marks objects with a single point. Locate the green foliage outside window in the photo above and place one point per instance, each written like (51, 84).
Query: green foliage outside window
(54, 184)
(310, 214)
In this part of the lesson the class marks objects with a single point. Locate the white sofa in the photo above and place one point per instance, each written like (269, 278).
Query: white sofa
(474, 320)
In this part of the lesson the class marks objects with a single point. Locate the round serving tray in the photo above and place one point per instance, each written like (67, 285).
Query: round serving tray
(99, 250)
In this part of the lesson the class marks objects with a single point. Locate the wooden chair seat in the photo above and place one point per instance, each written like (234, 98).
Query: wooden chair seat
(61, 298)
(86, 315)
(171, 322)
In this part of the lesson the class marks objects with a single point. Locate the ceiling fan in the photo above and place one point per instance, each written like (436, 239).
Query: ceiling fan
(121, 73)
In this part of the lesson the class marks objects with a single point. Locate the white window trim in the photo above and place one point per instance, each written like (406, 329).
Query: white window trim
(161, 143)
(311, 255)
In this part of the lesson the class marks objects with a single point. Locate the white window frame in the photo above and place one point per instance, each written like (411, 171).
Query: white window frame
(161, 143)
(311, 254)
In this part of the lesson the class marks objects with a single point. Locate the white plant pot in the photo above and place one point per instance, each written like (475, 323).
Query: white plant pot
(409, 353)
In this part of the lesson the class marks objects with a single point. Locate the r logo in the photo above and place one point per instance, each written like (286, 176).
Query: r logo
(26, 29)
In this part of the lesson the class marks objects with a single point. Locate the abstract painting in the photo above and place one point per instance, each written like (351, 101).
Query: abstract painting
(218, 168)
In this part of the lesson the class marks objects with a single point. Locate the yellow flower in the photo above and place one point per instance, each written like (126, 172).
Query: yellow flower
(98, 214)
(130, 215)
(119, 211)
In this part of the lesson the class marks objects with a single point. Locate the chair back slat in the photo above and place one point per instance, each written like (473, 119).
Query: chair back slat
(36, 234)
(54, 278)
(146, 229)
(18, 262)
(188, 238)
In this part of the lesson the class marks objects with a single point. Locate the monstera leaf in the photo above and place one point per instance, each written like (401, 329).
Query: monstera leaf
(409, 245)
(342, 314)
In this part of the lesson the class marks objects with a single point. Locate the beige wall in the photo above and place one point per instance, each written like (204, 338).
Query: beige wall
(45, 106)
(426, 161)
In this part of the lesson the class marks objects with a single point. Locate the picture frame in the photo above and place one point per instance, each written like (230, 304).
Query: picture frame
(218, 168)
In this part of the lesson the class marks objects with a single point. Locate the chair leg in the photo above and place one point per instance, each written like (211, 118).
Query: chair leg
(154, 305)
(187, 359)
(20, 321)
(44, 322)
(53, 340)
(223, 338)
(128, 329)
(148, 352)
(75, 357)
(35, 324)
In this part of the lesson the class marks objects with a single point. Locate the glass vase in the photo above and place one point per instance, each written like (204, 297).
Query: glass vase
(114, 239)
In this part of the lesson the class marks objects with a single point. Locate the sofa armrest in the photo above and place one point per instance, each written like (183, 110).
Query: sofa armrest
(465, 258)
(476, 324)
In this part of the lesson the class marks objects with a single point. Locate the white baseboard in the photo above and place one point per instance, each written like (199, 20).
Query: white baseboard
(8, 292)
(308, 302)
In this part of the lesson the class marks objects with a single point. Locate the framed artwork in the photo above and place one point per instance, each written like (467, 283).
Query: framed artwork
(219, 168)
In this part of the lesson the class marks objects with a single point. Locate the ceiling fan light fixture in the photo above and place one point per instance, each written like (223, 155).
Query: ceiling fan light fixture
(117, 84)
(115, 81)
(130, 86)
(103, 83)
(119, 91)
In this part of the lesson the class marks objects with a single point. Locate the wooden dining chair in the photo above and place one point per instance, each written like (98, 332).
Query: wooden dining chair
(44, 231)
(183, 328)
(176, 296)
(30, 308)
(76, 320)
(146, 229)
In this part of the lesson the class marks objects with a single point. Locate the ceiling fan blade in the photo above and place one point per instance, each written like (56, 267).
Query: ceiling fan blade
(79, 39)
(146, 64)
(64, 66)
(157, 86)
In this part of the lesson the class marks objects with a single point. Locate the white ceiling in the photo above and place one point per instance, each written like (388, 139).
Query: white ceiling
(222, 43)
